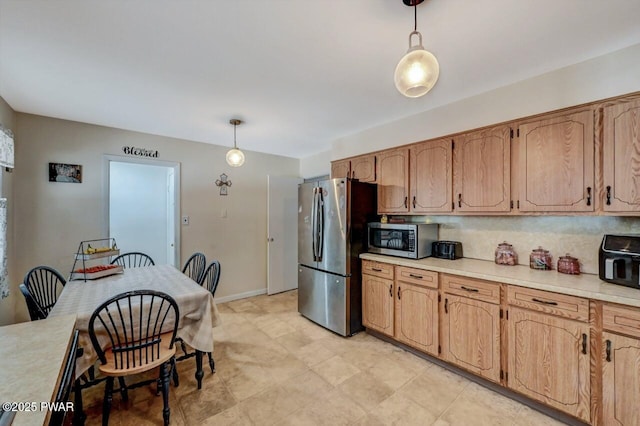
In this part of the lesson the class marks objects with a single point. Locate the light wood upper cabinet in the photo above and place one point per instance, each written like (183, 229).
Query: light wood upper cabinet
(431, 176)
(393, 181)
(482, 171)
(377, 304)
(416, 309)
(340, 169)
(621, 157)
(548, 360)
(556, 163)
(363, 168)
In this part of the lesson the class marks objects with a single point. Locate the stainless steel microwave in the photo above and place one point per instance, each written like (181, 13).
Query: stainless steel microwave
(410, 240)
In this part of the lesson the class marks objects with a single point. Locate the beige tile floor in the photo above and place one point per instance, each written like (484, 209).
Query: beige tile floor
(275, 367)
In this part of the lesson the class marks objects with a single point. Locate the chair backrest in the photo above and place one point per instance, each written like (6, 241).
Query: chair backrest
(133, 260)
(211, 277)
(194, 268)
(132, 325)
(44, 284)
(35, 311)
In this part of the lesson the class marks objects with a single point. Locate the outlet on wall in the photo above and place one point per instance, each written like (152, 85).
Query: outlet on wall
(185, 220)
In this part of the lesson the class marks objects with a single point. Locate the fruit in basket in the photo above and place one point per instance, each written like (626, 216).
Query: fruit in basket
(89, 250)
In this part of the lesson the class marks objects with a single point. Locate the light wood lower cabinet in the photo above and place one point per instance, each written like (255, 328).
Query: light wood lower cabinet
(620, 365)
(377, 304)
(416, 309)
(471, 335)
(620, 380)
(548, 360)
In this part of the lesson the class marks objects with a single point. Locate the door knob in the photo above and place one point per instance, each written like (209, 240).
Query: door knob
(270, 240)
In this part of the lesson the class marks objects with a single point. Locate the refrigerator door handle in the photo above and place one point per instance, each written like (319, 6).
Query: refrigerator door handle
(320, 235)
(313, 225)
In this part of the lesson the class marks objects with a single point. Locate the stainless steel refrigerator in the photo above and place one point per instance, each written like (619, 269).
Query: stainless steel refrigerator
(332, 224)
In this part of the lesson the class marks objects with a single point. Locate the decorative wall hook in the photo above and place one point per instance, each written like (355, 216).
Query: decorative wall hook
(223, 183)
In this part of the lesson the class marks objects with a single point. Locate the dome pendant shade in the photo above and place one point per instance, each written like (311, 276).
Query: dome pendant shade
(235, 157)
(417, 71)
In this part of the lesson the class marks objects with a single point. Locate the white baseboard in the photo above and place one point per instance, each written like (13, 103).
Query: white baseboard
(240, 296)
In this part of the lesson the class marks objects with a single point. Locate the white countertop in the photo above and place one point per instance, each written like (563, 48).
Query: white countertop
(31, 363)
(583, 285)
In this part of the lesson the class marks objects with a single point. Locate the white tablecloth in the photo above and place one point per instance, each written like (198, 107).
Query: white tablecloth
(198, 312)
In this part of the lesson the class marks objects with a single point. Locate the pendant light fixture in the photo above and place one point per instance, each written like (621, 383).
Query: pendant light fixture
(418, 70)
(235, 157)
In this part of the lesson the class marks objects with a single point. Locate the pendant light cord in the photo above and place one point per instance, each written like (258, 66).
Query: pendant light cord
(234, 136)
(415, 16)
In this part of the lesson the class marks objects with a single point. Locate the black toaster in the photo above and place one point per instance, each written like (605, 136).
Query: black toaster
(446, 249)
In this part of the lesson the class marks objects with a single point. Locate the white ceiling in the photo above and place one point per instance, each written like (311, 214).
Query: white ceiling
(301, 73)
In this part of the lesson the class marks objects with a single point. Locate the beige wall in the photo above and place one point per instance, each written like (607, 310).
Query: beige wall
(7, 306)
(316, 165)
(52, 218)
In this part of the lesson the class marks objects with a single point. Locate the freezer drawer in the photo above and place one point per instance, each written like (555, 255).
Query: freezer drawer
(323, 298)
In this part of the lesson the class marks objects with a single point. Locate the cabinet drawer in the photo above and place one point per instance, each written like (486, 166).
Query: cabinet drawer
(417, 276)
(470, 287)
(382, 270)
(561, 305)
(621, 319)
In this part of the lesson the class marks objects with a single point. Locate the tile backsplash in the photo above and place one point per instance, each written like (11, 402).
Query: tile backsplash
(580, 236)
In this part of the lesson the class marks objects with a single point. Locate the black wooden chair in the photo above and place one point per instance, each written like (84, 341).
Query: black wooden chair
(138, 328)
(44, 285)
(133, 260)
(35, 311)
(194, 268)
(210, 282)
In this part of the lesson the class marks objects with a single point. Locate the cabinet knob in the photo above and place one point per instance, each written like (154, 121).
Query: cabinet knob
(459, 200)
(608, 195)
(608, 350)
(584, 343)
(588, 195)
(390, 290)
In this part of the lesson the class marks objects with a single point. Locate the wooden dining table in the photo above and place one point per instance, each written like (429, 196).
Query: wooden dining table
(197, 310)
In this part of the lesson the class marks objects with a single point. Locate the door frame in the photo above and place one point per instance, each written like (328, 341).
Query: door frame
(107, 159)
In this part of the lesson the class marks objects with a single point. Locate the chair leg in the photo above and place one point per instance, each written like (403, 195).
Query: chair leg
(78, 411)
(123, 389)
(164, 374)
(212, 363)
(184, 347)
(108, 399)
(174, 372)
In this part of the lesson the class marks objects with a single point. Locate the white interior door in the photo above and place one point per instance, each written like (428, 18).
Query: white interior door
(282, 233)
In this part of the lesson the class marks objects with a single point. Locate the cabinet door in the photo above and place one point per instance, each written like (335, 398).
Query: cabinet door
(620, 380)
(471, 335)
(621, 157)
(431, 176)
(393, 181)
(364, 168)
(416, 317)
(555, 164)
(482, 171)
(549, 360)
(340, 169)
(377, 304)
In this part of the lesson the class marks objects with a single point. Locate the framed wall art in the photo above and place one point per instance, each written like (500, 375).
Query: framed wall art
(59, 172)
